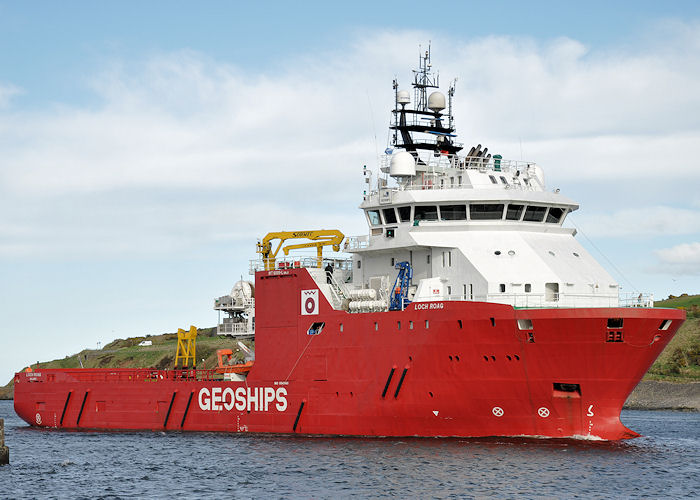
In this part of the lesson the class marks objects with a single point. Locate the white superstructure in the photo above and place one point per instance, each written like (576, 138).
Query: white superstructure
(444, 225)
(475, 227)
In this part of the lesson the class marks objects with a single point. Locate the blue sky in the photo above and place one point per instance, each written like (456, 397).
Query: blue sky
(145, 146)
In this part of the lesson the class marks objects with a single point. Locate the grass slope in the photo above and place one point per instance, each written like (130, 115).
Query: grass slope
(680, 361)
(691, 303)
(126, 353)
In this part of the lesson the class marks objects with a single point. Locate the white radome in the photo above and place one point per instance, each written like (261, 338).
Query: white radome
(243, 290)
(436, 101)
(403, 97)
(402, 165)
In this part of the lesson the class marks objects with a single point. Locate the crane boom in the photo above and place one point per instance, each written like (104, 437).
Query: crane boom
(319, 238)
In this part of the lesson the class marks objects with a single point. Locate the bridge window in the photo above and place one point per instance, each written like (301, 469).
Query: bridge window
(534, 214)
(404, 214)
(389, 216)
(514, 212)
(374, 218)
(554, 215)
(453, 212)
(484, 211)
(425, 212)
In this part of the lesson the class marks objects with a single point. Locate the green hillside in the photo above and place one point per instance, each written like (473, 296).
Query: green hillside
(680, 361)
(691, 303)
(126, 353)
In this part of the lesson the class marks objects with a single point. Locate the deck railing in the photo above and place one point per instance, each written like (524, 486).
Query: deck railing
(145, 375)
(437, 170)
(298, 262)
(557, 300)
(235, 329)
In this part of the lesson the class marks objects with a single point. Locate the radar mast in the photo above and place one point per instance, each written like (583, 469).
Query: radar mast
(424, 127)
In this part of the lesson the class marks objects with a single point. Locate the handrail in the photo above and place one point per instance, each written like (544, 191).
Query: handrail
(557, 300)
(146, 375)
(338, 291)
(299, 262)
(355, 242)
(437, 166)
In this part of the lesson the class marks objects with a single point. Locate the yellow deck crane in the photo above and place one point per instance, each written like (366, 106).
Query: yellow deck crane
(186, 347)
(320, 238)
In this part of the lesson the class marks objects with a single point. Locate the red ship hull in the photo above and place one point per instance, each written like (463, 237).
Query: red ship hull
(435, 369)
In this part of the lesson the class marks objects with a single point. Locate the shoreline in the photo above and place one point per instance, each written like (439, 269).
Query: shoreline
(657, 395)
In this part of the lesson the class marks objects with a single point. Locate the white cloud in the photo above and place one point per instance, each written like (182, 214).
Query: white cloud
(183, 144)
(681, 259)
(7, 92)
(640, 222)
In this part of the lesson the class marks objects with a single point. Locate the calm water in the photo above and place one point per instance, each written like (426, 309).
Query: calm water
(59, 464)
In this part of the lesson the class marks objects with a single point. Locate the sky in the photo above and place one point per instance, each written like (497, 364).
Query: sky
(146, 146)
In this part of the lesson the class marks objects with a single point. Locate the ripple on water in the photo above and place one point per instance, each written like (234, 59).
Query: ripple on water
(58, 464)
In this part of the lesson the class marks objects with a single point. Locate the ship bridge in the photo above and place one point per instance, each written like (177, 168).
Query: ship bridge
(468, 237)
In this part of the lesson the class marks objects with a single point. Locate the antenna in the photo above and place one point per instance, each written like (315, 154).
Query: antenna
(450, 94)
(423, 80)
(374, 129)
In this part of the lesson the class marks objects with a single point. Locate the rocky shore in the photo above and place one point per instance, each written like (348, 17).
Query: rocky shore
(653, 395)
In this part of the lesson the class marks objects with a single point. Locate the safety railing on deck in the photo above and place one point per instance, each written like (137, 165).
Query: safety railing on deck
(356, 242)
(238, 329)
(137, 375)
(228, 302)
(298, 262)
(435, 169)
(557, 300)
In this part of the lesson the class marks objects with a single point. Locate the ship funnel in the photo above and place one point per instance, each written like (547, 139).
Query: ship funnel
(436, 101)
(402, 165)
(403, 97)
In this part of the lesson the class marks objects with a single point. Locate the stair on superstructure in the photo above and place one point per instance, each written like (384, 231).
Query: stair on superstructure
(334, 292)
